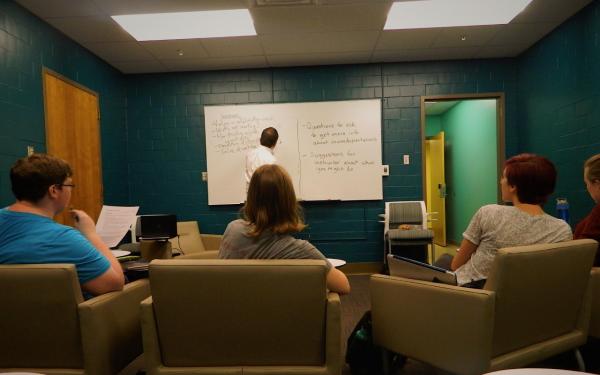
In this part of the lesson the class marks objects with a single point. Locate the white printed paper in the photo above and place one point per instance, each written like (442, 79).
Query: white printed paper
(114, 222)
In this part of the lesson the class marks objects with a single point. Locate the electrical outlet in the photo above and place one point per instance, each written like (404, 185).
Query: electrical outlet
(386, 170)
(30, 150)
(406, 159)
(204, 176)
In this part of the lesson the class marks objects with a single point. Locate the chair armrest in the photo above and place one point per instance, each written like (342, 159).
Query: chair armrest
(110, 328)
(333, 337)
(152, 355)
(211, 241)
(209, 254)
(594, 329)
(447, 326)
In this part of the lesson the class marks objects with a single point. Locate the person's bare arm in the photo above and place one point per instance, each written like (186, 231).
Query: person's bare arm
(467, 248)
(337, 281)
(111, 280)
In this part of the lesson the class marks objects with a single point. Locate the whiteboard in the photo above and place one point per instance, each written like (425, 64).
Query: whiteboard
(332, 150)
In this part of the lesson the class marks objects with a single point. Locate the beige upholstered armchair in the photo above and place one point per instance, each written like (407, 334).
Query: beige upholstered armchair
(47, 327)
(192, 242)
(242, 316)
(595, 319)
(535, 304)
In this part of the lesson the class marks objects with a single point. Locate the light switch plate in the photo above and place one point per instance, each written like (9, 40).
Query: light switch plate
(204, 176)
(385, 170)
(406, 159)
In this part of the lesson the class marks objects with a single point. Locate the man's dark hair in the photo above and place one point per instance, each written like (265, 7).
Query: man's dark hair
(31, 176)
(269, 137)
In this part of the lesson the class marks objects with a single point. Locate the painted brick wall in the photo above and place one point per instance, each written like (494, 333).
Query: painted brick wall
(26, 45)
(559, 103)
(167, 150)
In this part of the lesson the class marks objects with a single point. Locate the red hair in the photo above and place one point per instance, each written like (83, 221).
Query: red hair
(534, 177)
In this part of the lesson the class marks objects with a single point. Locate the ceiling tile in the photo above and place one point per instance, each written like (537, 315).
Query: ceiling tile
(319, 59)
(275, 20)
(319, 42)
(169, 49)
(426, 54)
(120, 51)
(369, 16)
(475, 36)
(521, 33)
(341, 2)
(117, 7)
(216, 64)
(61, 8)
(550, 10)
(512, 50)
(91, 29)
(409, 39)
(146, 66)
(228, 47)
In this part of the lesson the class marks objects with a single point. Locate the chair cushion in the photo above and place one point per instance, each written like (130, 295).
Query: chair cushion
(411, 234)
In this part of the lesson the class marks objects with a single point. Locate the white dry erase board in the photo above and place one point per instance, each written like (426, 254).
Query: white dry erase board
(332, 150)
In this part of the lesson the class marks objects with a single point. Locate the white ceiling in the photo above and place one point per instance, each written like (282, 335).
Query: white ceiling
(439, 108)
(321, 32)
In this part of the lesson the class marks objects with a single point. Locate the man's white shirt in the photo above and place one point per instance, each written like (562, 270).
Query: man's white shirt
(258, 157)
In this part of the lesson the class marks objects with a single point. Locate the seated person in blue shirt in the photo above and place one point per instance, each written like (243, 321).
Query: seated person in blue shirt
(42, 185)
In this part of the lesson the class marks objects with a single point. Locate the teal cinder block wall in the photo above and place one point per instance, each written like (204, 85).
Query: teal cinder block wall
(167, 146)
(26, 45)
(559, 103)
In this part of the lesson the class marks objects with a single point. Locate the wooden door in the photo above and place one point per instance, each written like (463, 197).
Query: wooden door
(73, 134)
(436, 186)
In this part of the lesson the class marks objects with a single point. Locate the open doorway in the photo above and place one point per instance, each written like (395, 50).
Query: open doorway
(463, 152)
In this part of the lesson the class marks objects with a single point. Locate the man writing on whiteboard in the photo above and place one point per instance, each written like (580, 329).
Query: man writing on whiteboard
(262, 154)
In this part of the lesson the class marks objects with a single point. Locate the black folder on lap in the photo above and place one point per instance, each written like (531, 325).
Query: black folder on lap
(412, 269)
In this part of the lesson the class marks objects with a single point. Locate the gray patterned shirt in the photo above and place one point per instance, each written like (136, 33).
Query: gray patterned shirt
(494, 227)
(236, 244)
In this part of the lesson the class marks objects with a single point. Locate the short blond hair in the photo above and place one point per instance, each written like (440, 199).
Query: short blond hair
(592, 168)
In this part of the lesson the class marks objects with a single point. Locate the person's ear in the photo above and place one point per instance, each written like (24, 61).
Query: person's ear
(53, 191)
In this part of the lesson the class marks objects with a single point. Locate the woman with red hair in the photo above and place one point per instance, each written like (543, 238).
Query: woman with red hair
(527, 181)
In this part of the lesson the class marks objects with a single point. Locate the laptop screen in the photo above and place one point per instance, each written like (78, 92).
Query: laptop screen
(156, 227)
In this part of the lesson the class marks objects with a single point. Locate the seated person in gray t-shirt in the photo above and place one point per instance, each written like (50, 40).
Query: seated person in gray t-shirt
(527, 181)
(271, 213)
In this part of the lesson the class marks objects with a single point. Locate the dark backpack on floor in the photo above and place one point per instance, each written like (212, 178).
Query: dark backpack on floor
(363, 357)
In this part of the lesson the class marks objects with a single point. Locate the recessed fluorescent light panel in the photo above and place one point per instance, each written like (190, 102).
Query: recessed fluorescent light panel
(445, 13)
(188, 25)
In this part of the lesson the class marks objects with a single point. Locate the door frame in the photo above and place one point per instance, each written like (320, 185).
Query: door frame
(46, 70)
(500, 106)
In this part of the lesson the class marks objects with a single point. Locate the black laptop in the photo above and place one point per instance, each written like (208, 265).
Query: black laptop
(156, 227)
(412, 269)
